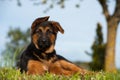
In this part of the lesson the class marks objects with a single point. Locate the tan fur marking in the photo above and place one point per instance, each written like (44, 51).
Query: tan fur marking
(47, 28)
(41, 28)
(44, 29)
(35, 67)
(49, 50)
(52, 38)
(35, 38)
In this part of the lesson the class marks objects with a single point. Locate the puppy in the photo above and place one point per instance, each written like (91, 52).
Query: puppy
(40, 56)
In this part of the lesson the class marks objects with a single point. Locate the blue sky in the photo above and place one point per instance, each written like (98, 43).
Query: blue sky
(79, 25)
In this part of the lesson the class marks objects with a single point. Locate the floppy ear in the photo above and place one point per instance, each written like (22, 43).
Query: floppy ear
(38, 21)
(57, 27)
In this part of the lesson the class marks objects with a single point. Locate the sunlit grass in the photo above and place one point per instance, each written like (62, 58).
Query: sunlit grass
(7, 72)
(14, 74)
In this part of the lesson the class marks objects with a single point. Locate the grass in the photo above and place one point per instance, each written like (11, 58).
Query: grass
(13, 74)
(8, 73)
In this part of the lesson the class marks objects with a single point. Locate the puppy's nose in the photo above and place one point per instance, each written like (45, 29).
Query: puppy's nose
(44, 40)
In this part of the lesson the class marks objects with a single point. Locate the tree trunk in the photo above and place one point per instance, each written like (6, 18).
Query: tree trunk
(110, 47)
(112, 23)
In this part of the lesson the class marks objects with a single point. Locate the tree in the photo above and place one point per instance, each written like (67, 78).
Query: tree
(18, 39)
(112, 25)
(98, 50)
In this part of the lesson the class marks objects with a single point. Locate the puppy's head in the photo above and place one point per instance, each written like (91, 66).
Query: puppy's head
(44, 33)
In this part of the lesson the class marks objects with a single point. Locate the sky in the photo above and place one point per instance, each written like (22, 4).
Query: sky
(79, 25)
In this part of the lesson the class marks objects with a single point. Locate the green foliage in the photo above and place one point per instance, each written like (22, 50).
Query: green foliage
(50, 3)
(13, 74)
(98, 50)
(18, 39)
(6, 61)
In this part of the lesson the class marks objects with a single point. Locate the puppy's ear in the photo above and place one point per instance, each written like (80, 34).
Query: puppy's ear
(38, 21)
(57, 27)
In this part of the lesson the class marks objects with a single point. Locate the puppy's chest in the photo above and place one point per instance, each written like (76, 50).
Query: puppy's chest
(43, 61)
(45, 58)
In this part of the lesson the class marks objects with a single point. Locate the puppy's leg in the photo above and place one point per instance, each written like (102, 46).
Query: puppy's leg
(71, 68)
(56, 68)
(63, 67)
(36, 67)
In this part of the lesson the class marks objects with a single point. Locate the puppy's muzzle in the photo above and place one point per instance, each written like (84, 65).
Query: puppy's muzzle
(44, 43)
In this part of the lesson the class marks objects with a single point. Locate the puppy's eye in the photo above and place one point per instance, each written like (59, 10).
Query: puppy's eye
(38, 31)
(49, 31)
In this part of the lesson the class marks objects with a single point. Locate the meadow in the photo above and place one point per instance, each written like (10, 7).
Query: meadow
(14, 74)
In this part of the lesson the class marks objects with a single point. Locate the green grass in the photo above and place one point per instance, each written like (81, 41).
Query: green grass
(13, 74)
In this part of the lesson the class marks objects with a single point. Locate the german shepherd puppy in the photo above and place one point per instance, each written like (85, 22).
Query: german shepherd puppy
(40, 56)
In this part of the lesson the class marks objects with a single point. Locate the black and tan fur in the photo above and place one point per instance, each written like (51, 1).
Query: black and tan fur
(40, 56)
